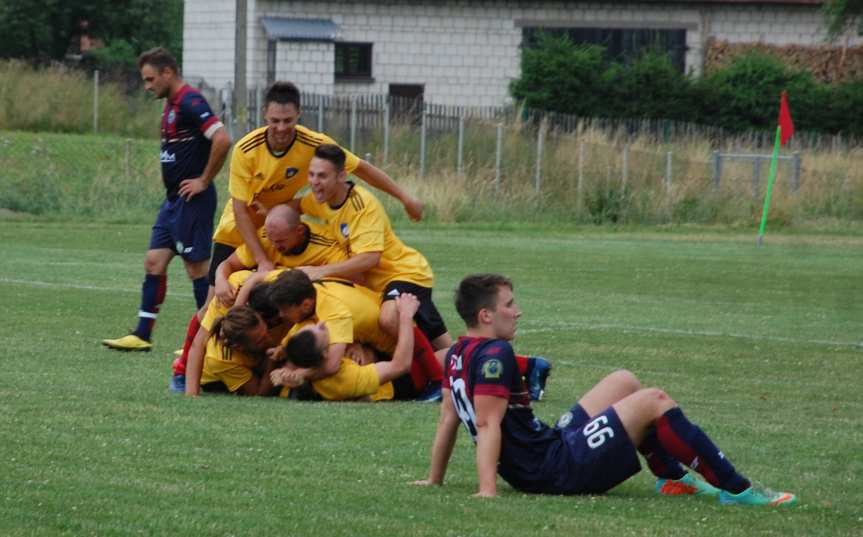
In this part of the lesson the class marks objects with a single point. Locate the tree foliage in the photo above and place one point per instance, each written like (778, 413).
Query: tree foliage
(843, 14)
(42, 31)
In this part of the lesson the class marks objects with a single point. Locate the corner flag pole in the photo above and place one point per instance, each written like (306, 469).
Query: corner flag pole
(784, 132)
(773, 165)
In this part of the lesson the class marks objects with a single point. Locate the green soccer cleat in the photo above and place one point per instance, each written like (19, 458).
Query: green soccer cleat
(757, 495)
(128, 343)
(688, 485)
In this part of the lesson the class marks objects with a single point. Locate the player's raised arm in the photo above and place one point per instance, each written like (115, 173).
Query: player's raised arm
(377, 178)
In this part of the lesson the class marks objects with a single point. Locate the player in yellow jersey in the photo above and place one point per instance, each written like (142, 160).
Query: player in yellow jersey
(288, 242)
(376, 381)
(301, 302)
(270, 165)
(200, 347)
(360, 223)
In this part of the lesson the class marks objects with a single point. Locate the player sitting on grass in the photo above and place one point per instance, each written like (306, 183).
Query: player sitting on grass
(593, 447)
(359, 379)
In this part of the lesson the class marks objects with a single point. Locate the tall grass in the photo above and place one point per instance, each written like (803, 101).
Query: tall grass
(61, 100)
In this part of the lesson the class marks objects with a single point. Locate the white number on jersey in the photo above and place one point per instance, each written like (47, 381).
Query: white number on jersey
(596, 436)
(462, 406)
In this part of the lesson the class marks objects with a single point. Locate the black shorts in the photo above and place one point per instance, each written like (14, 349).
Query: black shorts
(217, 386)
(220, 253)
(427, 317)
(404, 389)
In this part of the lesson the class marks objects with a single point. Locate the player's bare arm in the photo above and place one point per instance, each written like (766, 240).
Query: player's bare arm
(220, 144)
(489, 415)
(225, 293)
(250, 234)
(243, 292)
(400, 363)
(195, 363)
(351, 268)
(377, 178)
(444, 441)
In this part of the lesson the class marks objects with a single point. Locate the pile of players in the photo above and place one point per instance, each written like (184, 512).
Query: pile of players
(330, 309)
(339, 308)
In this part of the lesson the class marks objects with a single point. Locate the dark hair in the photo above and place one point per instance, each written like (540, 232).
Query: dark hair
(232, 329)
(476, 292)
(332, 153)
(302, 350)
(282, 93)
(259, 300)
(159, 58)
(291, 288)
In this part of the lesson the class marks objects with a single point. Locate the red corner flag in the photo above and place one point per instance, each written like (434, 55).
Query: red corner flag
(786, 126)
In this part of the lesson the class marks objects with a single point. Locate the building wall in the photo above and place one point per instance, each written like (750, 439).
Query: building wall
(463, 52)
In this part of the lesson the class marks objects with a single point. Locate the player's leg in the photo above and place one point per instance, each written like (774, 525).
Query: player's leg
(651, 411)
(427, 318)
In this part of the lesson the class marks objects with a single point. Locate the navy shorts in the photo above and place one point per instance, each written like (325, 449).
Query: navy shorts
(598, 453)
(186, 227)
(427, 317)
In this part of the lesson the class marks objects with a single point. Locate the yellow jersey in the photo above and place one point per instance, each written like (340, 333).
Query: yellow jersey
(221, 363)
(361, 225)
(259, 175)
(353, 381)
(319, 249)
(215, 309)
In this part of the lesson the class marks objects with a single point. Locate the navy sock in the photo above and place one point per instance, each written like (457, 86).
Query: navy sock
(201, 287)
(152, 295)
(660, 462)
(691, 446)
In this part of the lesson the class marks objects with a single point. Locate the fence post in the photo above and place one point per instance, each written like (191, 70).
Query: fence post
(320, 113)
(756, 176)
(580, 184)
(353, 123)
(95, 101)
(795, 185)
(625, 173)
(460, 163)
(423, 144)
(668, 171)
(259, 106)
(717, 168)
(386, 131)
(497, 157)
(540, 135)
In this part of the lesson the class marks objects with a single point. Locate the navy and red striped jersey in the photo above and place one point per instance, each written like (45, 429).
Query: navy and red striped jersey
(479, 366)
(185, 146)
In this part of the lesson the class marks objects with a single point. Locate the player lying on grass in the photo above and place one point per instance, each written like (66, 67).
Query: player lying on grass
(349, 313)
(238, 370)
(289, 243)
(593, 447)
(361, 377)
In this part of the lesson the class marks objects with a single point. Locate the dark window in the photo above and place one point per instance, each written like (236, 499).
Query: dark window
(622, 44)
(354, 60)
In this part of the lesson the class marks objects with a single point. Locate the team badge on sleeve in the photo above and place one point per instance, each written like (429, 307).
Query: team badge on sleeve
(344, 230)
(492, 369)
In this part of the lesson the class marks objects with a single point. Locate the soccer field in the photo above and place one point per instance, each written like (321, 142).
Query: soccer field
(761, 347)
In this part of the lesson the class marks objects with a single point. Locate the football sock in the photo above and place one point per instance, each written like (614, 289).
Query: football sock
(524, 363)
(691, 446)
(201, 287)
(424, 366)
(191, 332)
(660, 462)
(152, 295)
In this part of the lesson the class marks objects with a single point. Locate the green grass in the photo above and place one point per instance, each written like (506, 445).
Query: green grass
(760, 346)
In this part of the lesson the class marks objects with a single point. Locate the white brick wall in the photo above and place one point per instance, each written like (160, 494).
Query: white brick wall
(462, 52)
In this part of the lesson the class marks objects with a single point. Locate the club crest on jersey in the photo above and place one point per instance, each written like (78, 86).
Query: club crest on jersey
(171, 116)
(564, 420)
(492, 369)
(343, 228)
(290, 172)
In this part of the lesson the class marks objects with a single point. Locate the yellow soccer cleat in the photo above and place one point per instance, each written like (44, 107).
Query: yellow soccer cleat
(128, 343)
